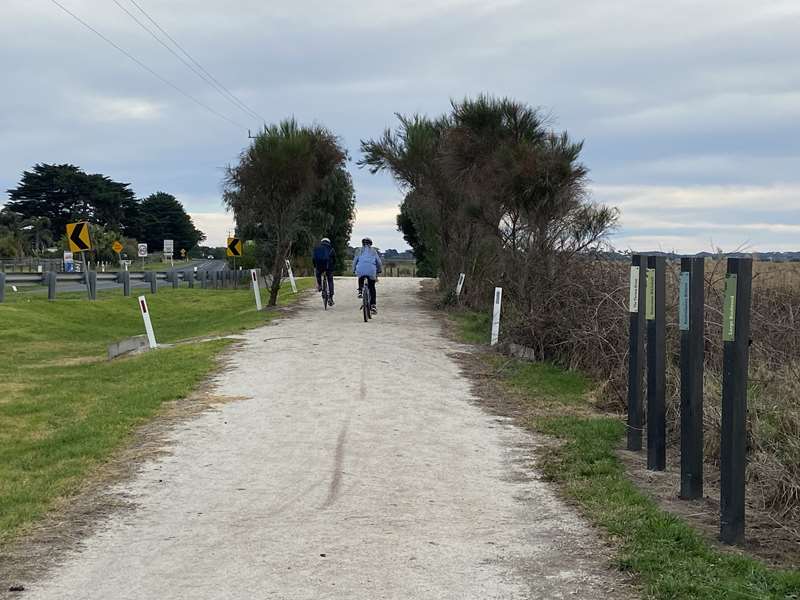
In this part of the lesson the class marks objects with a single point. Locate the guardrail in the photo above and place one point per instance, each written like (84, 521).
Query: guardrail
(204, 278)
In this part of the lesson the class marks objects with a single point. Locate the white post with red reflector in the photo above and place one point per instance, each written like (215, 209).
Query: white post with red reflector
(256, 289)
(148, 325)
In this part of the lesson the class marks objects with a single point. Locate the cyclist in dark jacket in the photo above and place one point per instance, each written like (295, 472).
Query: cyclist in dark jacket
(324, 263)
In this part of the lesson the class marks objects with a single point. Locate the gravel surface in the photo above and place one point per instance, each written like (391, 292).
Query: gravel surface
(356, 465)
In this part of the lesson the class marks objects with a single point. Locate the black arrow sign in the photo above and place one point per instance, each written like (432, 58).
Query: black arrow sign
(75, 237)
(233, 247)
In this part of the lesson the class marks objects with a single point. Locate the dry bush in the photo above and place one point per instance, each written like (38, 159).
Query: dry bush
(579, 320)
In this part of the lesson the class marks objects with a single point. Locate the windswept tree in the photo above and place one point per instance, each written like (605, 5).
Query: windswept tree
(273, 188)
(493, 192)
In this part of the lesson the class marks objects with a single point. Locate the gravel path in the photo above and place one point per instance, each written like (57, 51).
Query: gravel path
(356, 465)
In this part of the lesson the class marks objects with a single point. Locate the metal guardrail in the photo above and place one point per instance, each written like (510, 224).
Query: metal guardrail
(81, 277)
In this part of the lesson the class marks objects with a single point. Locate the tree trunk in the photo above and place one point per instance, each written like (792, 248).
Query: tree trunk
(277, 272)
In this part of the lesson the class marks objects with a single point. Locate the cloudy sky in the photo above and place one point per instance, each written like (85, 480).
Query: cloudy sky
(690, 110)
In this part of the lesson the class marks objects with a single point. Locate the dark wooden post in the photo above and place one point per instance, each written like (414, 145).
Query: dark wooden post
(735, 360)
(656, 364)
(636, 306)
(691, 323)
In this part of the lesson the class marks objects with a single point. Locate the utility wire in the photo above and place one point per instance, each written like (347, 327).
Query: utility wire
(145, 67)
(183, 60)
(185, 52)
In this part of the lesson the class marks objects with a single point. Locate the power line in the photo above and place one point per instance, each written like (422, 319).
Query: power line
(145, 67)
(219, 85)
(183, 60)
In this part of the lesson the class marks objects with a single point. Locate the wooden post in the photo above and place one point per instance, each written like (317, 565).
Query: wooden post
(691, 321)
(636, 307)
(735, 360)
(656, 364)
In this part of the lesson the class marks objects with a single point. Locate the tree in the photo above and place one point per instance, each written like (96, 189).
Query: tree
(273, 188)
(331, 213)
(491, 192)
(163, 217)
(64, 194)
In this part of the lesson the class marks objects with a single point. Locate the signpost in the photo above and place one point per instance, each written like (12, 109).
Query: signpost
(141, 252)
(69, 263)
(169, 248)
(117, 247)
(636, 356)
(291, 276)
(148, 325)
(234, 248)
(691, 322)
(735, 361)
(498, 298)
(256, 289)
(79, 241)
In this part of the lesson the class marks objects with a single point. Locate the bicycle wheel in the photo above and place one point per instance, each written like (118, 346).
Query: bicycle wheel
(324, 291)
(365, 302)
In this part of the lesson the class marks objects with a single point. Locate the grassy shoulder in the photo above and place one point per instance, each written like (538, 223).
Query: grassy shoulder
(670, 559)
(65, 409)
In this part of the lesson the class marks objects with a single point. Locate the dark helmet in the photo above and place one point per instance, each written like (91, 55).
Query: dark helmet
(366, 242)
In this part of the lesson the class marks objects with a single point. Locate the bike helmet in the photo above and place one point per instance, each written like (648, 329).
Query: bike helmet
(325, 240)
(366, 242)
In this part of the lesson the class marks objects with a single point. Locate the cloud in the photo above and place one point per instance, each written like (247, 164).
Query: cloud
(104, 109)
(689, 110)
(216, 226)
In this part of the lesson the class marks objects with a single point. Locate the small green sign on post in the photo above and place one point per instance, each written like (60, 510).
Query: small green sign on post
(729, 309)
(683, 304)
(650, 296)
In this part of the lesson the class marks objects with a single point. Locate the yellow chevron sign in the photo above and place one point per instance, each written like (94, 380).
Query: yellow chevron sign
(78, 236)
(234, 247)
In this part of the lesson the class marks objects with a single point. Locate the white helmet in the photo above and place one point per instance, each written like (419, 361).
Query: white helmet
(325, 240)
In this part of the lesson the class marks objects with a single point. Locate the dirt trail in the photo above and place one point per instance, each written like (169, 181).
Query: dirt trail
(357, 466)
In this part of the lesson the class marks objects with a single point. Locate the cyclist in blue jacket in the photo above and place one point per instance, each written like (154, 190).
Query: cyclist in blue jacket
(366, 266)
(324, 263)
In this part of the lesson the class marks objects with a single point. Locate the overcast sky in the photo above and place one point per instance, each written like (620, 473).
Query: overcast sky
(690, 110)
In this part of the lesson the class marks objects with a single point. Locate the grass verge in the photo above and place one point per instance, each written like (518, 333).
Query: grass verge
(670, 559)
(64, 409)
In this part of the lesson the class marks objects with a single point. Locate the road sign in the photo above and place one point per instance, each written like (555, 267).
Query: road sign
(117, 247)
(141, 250)
(169, 246)
(78, 236)
(234, 247)
(69, 263)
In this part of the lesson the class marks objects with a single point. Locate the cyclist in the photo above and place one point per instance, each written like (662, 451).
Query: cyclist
(366, 266)
(324, 260)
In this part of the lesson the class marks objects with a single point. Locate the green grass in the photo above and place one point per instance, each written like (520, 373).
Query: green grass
(672, 560)
(473, 327)
(64, 409)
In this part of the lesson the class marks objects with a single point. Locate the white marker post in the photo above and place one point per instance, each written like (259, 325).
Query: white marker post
(291, 276)
(148, 325)
(498, 298)
(460, 284)
(256, 289)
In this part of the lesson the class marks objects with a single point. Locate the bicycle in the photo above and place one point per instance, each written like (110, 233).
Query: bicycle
(365, 300)
(325, 297)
